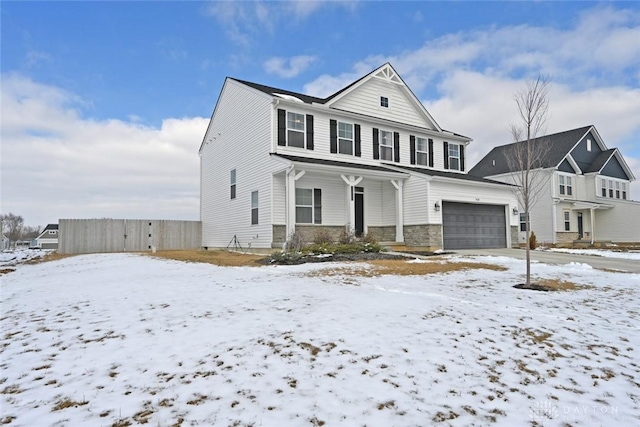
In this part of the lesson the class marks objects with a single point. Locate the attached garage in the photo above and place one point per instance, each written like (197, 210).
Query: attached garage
(471, 226)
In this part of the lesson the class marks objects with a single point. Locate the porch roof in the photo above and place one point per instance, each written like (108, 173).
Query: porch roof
(453, 175)
(339, 164)
(585, 204)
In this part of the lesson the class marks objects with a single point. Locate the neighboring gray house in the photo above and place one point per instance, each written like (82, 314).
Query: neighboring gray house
(369, 158)
(48, 239)
(588, 194)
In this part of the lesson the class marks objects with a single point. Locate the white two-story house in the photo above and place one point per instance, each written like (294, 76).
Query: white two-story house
(587, 189)
(369, 158)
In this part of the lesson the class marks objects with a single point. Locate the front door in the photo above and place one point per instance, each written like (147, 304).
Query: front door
(359, 201)
(580, 228)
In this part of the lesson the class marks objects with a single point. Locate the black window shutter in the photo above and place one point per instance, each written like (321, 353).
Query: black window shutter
(357, 149)
(376, 144)
(430, 152)
(317, 206)
(282, 127)
(462, 158)
(412, 149)
(396, 147)
(446, 155)
(333, 136)
(309, 132)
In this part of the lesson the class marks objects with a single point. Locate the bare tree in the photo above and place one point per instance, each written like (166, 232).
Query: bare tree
(30, 232)
(526, 157)
(12, 227)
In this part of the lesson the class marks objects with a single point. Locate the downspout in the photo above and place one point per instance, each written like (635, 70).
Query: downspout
(274, 115)
(290, 192)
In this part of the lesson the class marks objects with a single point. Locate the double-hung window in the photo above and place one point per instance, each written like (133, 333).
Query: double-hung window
(624, 191)
(345, 138)
(603, 187)
(233, 184)
(523, 221)
(611, 188)
(295, 129)
(386, 145)
(567, 222)
(254, 207)
(454, 156)
(308, 206)
(617, 189)
(422, 151)
(566, 185)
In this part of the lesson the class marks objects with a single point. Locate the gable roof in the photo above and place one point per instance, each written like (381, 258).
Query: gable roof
(600, 161)
(561, 144)
(385, 71)
(326, 162)
(49, 227)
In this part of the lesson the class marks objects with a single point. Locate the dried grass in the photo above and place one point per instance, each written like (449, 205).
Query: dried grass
(560, 285)
(217, 257)
(401, 268)
(51, 256)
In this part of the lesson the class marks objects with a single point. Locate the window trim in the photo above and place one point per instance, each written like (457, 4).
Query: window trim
(449, 146)
(523, 221)
(424, 152)
(352, 140)
(565, 185)
(315, 206)
(255, 204)
(566, 215)
(381, 145)
(233, 182)
(384, 101)
(624, 190)
(289, 129)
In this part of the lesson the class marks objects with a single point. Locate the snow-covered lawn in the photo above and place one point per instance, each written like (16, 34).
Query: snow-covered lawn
(123, 339)
(599, 252)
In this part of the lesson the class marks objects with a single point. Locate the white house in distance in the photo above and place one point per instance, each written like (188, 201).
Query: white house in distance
(587, 194)
(48, 238)
(369, 158)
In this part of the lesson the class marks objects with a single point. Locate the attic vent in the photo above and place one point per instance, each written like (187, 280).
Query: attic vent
(493, 163)
(289, 97)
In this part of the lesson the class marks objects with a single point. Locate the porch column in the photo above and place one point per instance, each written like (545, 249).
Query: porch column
(351, 182)
(290, 182)
(398, 184)
(593, 225)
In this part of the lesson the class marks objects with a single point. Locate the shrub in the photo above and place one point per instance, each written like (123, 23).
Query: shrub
(369, 238)
(347, 236)
(533, 242)
(295, 242)
(322, 237)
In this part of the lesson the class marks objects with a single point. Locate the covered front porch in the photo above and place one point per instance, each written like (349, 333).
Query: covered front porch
(584, 213)
(317, 195)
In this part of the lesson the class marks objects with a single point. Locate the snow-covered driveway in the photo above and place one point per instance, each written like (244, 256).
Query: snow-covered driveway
(123, 339)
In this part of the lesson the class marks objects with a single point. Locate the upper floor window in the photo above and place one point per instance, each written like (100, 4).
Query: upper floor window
(384, 102)
(386, 145)
(611, 188)
(566, 185)
(617, 189)
(295, 129)
(254, 207)
(603, 187)
(454, 156)
(53, 231)
(345, 138)
(233, 184)
(624, 191)
(422, 151)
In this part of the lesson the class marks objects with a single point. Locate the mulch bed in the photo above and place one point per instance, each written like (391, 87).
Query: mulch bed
(534, 287)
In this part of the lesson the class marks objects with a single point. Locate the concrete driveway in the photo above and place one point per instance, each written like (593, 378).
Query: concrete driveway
(629, 265)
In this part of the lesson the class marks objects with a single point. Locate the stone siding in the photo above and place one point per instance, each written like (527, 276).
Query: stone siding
(383, 234)
(566, 237)
(515, 235)
(427, 236)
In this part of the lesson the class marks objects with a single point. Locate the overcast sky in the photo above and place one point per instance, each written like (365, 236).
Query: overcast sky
(104, 104)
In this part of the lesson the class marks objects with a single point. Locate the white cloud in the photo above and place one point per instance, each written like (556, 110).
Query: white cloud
(288, 68)
(470, 78)
(57, 164)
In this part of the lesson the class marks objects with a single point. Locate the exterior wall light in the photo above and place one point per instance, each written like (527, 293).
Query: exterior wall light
(515, 211)
(437, 206)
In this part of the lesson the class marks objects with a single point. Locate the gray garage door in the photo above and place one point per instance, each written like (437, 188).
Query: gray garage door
(470, 226)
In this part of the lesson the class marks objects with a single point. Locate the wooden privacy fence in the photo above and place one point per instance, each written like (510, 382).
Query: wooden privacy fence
(82, 236)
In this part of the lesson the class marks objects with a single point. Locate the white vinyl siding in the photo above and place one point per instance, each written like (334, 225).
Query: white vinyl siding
(221, 217)
(365, 99)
